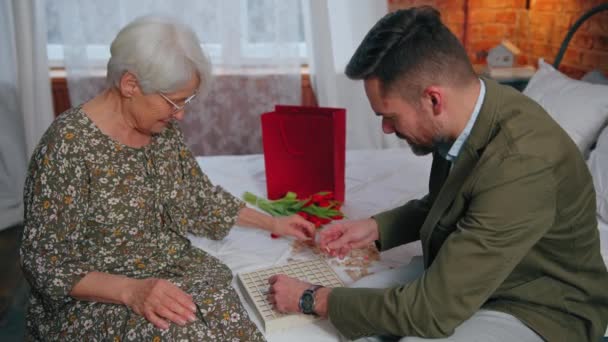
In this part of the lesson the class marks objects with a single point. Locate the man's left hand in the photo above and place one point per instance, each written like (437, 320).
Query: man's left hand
(285, 292)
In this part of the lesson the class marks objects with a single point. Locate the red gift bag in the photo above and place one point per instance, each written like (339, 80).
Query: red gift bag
(304, 150)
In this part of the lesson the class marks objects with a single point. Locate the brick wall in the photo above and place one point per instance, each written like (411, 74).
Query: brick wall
(452, 11)
(537, 27)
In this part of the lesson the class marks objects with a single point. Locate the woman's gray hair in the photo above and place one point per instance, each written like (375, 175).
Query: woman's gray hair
(161, 52)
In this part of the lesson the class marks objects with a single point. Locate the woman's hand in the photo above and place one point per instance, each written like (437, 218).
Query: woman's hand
(160, 302)
(340, 238)
(295, 226)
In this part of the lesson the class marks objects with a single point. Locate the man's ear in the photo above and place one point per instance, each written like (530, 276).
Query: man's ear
(434, 98)
(128, 85)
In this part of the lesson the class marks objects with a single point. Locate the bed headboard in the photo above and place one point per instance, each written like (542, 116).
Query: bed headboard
(577, 24)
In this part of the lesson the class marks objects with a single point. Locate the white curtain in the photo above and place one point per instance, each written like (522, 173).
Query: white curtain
(335, 30)
(256, 47)
(25, 98)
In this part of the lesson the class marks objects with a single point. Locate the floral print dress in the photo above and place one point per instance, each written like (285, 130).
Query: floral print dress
(93, 204)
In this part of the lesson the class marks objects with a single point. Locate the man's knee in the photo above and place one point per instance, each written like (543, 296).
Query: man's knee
(420, 339)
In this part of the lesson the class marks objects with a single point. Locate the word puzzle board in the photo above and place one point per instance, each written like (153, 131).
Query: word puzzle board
(255, 287)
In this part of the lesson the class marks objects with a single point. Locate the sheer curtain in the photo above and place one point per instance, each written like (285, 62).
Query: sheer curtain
(335, 30)
(256, 46)
(25, 98)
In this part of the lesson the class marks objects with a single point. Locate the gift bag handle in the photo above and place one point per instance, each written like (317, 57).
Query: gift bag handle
(292, 151)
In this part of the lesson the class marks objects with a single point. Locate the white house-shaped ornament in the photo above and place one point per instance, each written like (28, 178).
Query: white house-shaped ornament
(503, 55)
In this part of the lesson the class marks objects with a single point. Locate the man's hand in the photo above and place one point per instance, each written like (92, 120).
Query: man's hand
(160, 301)
(294, 225)
(285, 292)
(340, 238)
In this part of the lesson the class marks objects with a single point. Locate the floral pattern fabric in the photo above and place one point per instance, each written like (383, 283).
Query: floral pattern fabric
(93, 204)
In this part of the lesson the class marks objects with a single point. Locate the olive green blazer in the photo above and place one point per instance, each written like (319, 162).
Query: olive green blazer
(510, 226)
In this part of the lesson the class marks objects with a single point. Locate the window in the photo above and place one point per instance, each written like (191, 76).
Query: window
(243, 32)
(259, 33)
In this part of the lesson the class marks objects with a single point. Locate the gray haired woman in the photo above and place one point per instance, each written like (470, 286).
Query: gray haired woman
(111, 193)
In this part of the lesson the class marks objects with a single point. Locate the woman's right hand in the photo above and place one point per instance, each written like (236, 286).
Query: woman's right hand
(160, 301)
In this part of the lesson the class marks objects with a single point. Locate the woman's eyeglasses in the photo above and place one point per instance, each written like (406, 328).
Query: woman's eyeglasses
(176, 107)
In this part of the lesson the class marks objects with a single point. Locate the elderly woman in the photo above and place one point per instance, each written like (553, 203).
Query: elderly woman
(112, 192)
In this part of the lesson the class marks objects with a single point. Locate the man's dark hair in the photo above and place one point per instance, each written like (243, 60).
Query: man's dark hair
(410, 49)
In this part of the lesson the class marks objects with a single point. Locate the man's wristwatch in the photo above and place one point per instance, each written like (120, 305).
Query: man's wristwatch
(307, 300)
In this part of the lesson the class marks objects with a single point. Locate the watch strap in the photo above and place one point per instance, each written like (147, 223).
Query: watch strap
(311, 292)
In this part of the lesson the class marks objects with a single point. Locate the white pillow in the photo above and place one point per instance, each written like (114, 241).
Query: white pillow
(581, 108)
(598, 165)
(595, 77)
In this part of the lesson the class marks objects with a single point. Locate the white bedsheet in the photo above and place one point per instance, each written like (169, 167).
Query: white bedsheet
(603, 228)
(375, 180)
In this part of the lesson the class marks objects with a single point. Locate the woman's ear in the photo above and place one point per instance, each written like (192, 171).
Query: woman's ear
(129, 86)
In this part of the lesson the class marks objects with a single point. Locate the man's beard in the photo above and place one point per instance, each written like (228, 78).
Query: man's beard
(419, 150)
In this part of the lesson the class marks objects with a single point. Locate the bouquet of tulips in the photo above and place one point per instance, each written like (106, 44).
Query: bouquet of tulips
(320, 208)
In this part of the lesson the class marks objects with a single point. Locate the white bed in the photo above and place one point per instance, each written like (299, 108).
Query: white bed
(375, 180)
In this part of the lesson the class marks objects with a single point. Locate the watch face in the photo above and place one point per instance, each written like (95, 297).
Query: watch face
(307, 302)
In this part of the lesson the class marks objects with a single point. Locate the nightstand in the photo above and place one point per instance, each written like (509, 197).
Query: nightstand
(516, 77)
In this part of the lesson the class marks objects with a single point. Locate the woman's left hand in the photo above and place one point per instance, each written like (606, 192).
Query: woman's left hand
(295, 226)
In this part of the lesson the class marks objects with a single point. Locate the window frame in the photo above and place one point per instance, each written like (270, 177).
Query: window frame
(236, 51)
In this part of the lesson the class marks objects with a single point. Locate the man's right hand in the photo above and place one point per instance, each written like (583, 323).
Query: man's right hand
(160, 301)
(340, 238)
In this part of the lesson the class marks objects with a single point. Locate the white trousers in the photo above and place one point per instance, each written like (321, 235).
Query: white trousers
(483, 326)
